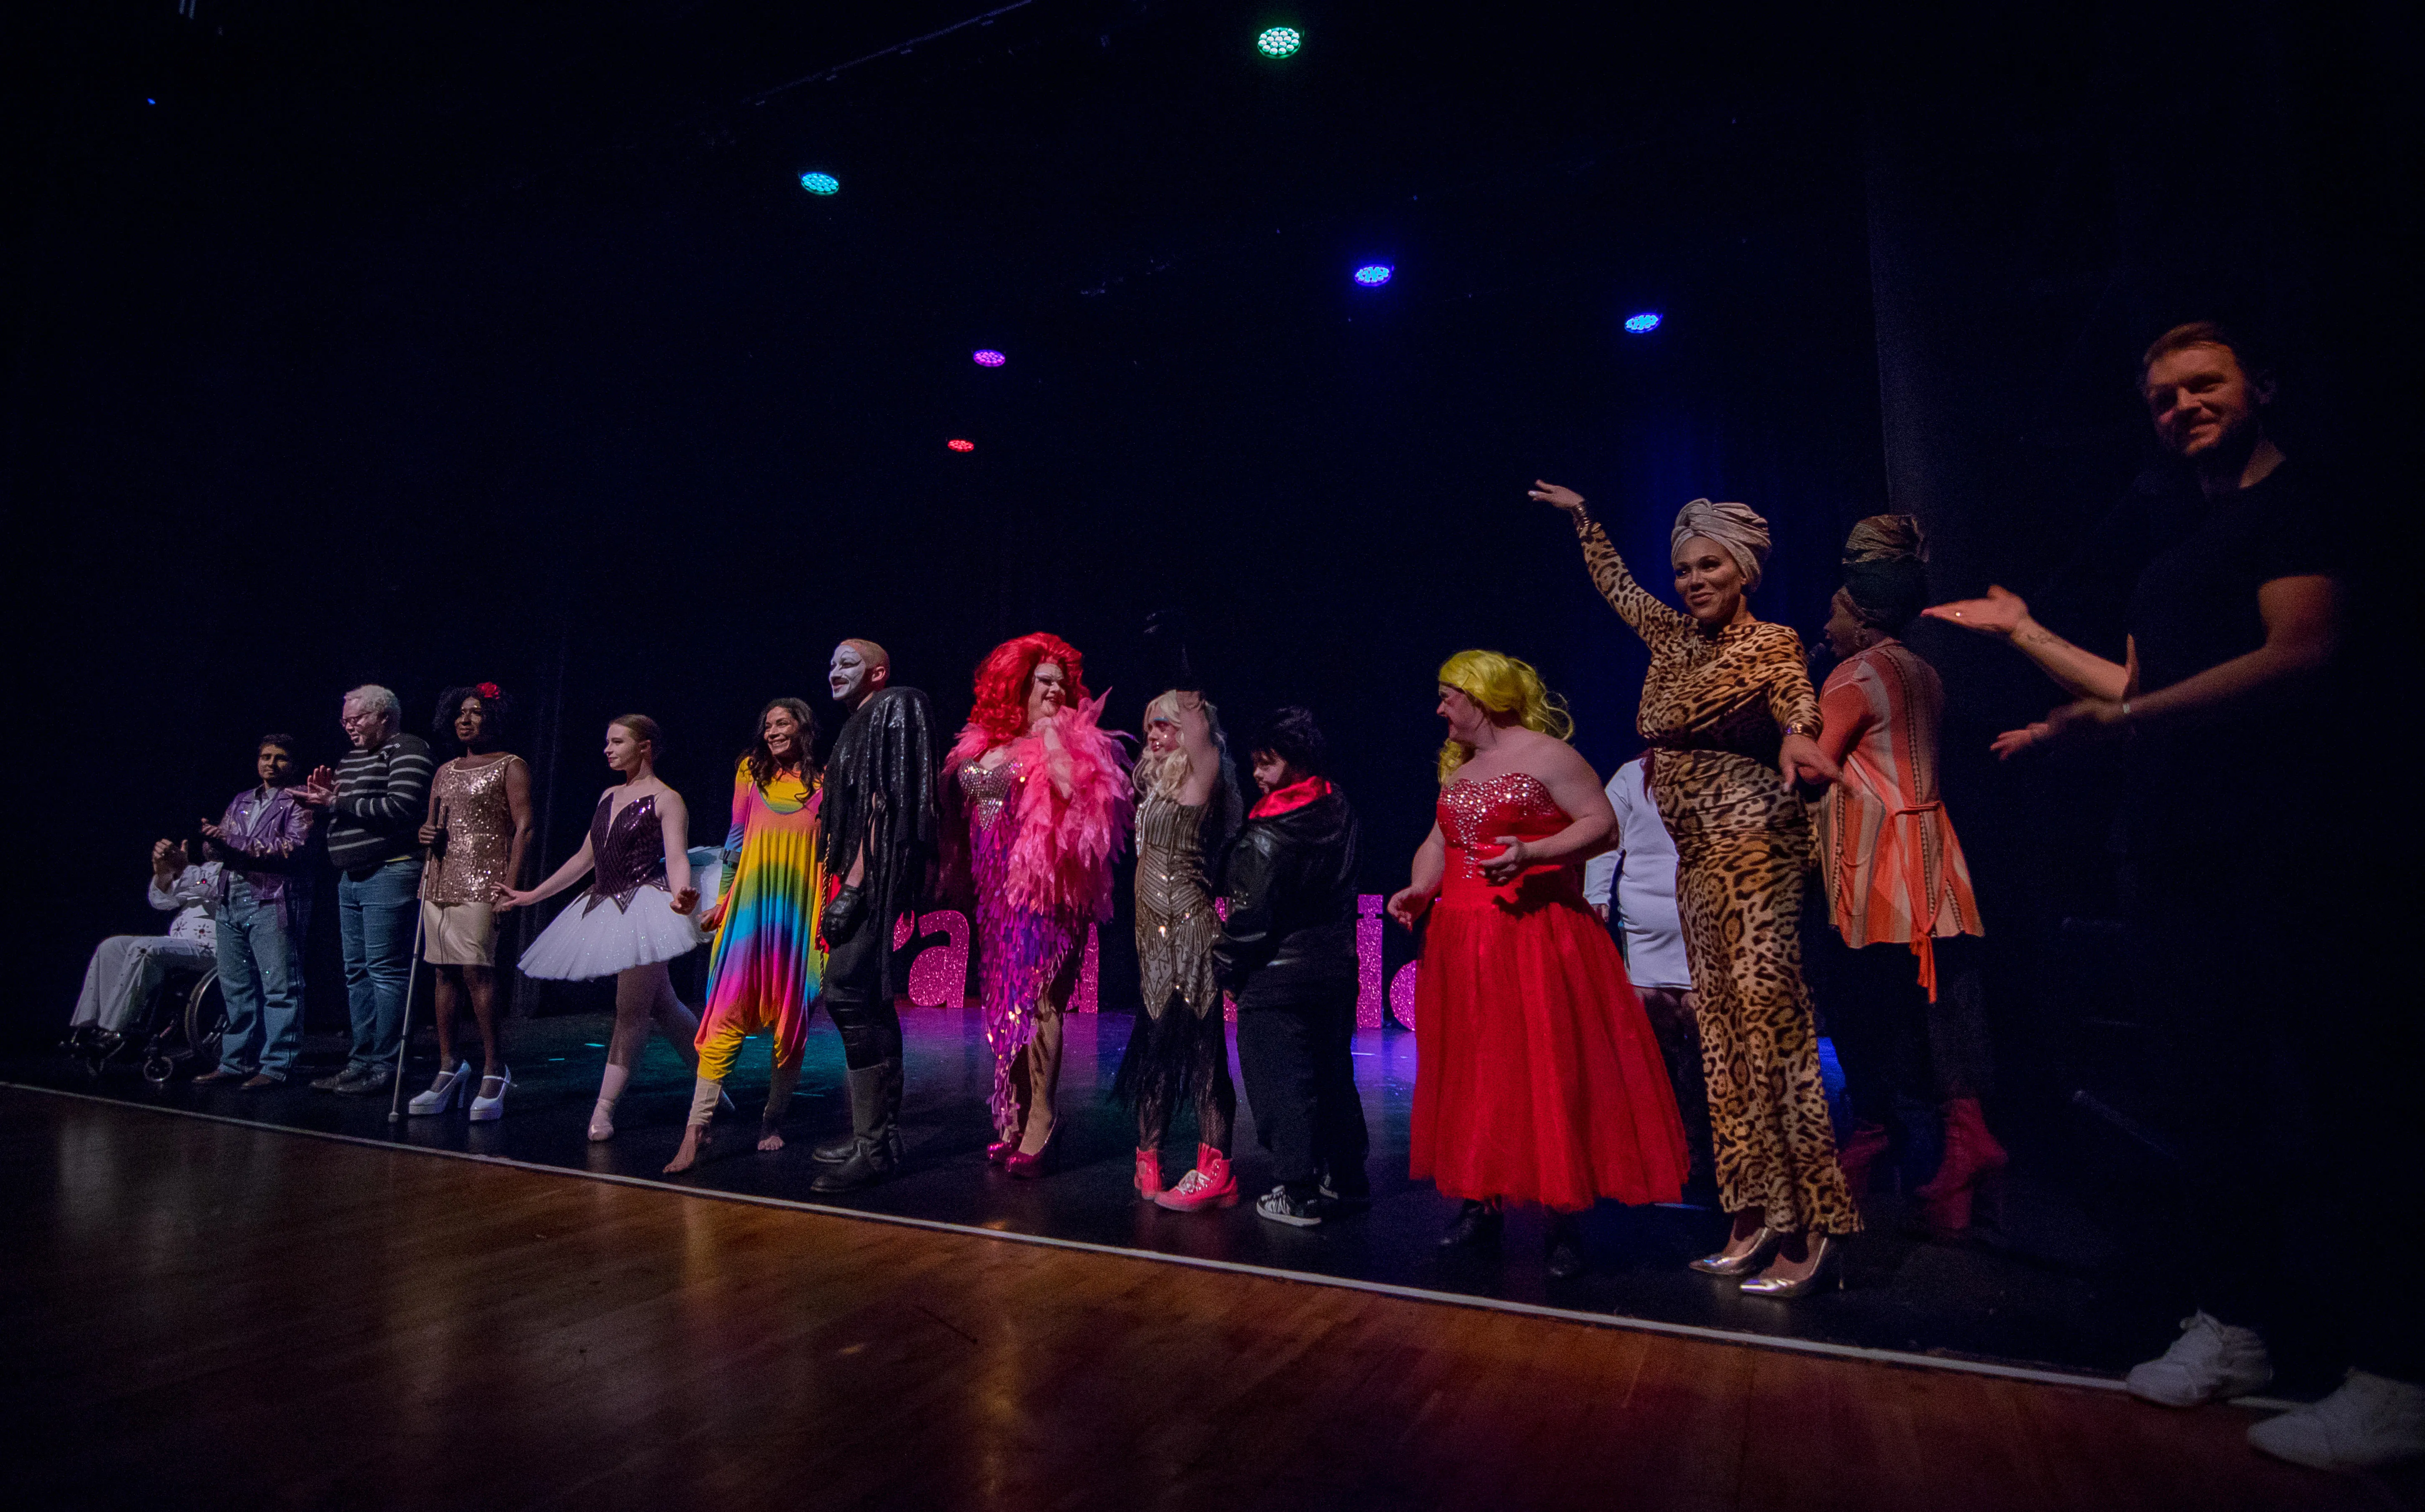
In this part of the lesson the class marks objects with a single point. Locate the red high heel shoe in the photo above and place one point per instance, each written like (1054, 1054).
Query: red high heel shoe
(1002, 1149)
(1858, 1156)
(1027, 1167)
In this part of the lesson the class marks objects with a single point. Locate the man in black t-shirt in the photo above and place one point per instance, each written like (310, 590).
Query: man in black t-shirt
(2237, 926)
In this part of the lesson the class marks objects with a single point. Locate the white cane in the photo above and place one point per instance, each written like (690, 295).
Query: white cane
(404, 1034)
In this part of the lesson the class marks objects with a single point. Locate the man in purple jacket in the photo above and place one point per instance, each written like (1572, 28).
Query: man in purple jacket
(265, 897)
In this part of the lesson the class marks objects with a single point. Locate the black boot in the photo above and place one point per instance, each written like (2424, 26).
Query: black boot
(876, 1132)
(1475, 1224)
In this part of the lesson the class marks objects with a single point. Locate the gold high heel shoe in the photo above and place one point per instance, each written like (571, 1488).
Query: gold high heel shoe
(1828, 1256)
(1763, 1240)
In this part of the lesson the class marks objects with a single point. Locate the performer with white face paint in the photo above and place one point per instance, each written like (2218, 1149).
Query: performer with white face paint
(878, 831)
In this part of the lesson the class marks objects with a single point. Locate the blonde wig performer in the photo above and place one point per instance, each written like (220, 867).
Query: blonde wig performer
(1732, 722)
(767, 965)
(1188, 808)
(1538, 1077)
(635, 915)
(1046, 792)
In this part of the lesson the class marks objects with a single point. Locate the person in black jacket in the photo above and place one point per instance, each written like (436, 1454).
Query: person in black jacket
(1288, 955)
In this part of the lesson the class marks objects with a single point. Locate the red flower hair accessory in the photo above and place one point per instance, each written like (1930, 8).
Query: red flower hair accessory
(490, 690)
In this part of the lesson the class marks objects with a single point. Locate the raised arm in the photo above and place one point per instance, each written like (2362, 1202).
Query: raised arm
(1635, 605)
(2005, 614)
(1203, 756)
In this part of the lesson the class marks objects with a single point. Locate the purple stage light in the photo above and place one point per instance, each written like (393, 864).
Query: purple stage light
(988, 358)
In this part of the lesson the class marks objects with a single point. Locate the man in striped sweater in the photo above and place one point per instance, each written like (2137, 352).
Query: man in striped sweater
(375, 802)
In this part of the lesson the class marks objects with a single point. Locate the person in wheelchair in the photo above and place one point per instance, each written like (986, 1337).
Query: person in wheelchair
(264, 896)
(127, 969)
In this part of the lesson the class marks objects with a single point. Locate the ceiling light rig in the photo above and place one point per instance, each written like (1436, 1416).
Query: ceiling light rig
(820, 183)
(1279, 42)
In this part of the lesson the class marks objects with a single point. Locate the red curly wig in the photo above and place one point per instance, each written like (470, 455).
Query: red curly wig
(1001, 683)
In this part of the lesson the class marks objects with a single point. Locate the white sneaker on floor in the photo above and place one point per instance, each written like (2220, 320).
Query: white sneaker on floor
(2210, 1361)
(2371, 1419)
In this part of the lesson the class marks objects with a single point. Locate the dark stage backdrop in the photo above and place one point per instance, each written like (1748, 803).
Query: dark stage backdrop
(458, 342)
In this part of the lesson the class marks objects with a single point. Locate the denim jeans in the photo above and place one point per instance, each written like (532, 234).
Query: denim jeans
(374, 923)
(261, 977)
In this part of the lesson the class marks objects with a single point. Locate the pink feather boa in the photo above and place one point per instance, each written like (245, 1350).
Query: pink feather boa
(1061, 862)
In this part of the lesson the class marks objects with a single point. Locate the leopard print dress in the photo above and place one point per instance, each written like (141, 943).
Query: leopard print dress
(1713, 709)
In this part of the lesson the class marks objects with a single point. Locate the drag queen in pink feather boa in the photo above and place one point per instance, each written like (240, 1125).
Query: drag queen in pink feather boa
(1047, 798)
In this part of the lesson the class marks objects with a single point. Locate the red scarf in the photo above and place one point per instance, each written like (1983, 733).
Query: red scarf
(1291, 797)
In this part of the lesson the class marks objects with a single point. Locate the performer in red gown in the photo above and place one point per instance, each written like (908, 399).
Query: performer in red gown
(1538, 1078)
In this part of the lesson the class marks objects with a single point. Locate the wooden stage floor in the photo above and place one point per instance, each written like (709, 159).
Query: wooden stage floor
(203, 1313)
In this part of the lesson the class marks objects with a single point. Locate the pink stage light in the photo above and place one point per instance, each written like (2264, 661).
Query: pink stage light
(958, 446)
(988, 356)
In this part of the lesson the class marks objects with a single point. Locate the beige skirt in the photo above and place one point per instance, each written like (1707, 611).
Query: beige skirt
(458, 934)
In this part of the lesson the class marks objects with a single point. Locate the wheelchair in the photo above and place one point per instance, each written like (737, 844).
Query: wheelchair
(182, 1022)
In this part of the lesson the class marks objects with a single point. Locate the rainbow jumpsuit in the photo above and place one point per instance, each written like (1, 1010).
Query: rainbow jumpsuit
(767, 963)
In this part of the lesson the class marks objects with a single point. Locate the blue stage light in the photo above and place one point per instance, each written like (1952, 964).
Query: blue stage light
(1372, 275)
(820, 183)
(1642, 324)
(1279, 42)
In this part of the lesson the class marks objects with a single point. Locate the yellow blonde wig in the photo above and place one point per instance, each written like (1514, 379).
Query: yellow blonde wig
(1502, 686)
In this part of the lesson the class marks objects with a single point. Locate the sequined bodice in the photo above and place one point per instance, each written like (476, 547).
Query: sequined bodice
(1175, 922)
(987, 790)
(1475, 812)
(628, 850)
(480, 824)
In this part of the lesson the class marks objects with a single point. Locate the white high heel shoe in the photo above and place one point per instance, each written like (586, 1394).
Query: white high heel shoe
(483, 1107)
(443, 1093)
(602, 1122)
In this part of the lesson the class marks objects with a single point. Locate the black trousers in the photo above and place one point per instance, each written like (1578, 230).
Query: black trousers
(854, 994)
(1890, 1038)
(1300, 1077)
(2287, 1068)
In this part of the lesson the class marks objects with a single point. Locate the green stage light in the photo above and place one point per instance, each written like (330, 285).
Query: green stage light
(1279, 42)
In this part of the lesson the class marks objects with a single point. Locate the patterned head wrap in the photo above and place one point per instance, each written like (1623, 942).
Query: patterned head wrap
(1734, 527)
(1883, 575)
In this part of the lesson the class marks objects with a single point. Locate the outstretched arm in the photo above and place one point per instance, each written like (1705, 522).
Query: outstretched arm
(2005, 614)
(1635, 605)
(1204, 757)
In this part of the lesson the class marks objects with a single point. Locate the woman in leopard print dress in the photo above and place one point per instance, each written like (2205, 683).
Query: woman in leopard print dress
(1731, 719)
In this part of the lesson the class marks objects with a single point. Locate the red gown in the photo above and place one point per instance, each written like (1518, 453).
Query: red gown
(1538, 1077)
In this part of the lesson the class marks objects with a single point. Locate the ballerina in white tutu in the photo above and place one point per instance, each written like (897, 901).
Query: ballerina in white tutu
(636, 914)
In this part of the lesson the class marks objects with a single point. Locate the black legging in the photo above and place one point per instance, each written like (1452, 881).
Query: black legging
(854, 997)
(1180, 1052)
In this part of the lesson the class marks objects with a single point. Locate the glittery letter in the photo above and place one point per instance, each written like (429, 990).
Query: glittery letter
(1368, 960)
(938, 978)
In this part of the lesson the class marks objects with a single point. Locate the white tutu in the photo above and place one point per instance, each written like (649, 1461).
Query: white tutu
(585, 943)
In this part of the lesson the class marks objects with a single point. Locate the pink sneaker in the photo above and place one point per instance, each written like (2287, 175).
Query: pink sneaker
(1211, 1184)
(1148, 1174)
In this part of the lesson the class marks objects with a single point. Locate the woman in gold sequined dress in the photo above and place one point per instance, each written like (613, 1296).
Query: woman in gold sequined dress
(1188, 807)
(479, 824)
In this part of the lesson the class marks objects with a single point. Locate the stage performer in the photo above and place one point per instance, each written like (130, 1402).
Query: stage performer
(1538, 1078)
(879, 830)
(1287, 954)
(1631, 886)
(2292, 1112)
(763, 971)
(1188, 807)
(374, 802)
(1732, 723)
(1047, 798)
(477, 830)
(126, 969)
(263, 842)
(1898, 886)
(636, 913)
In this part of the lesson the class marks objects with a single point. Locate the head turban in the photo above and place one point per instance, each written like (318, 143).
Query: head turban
(1734, 527)
(1886, 535)
(1883, 575)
